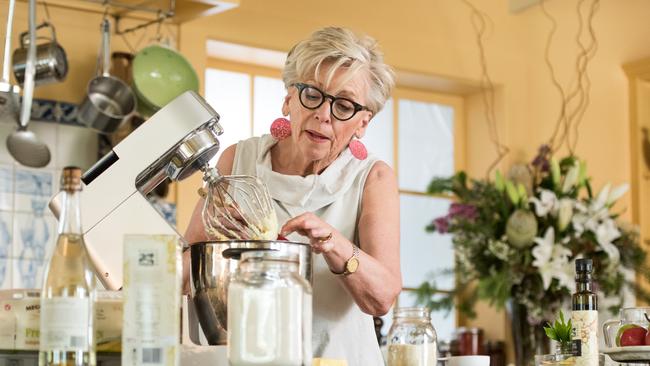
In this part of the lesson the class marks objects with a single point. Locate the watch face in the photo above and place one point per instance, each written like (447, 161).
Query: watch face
(352, 265)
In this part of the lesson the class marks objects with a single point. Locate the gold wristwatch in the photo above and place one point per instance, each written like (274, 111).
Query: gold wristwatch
(352, 264)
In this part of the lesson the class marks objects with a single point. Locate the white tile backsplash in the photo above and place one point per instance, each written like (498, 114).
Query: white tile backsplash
(5, 274)
(6, 187)
(33, 189)
(27, 228)
(77, 146)
(34, 236)
(27, 273)
(6, 234)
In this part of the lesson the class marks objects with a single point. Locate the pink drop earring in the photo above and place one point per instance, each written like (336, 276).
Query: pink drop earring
(281, 129)
(358, 149)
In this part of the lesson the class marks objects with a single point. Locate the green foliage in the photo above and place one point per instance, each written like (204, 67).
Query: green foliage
(491, 267)
(560, 331)
(495, 288)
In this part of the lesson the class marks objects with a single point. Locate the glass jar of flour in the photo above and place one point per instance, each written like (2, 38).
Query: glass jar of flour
(412, 341)
(269, 312)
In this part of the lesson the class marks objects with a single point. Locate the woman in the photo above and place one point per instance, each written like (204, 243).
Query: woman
(347, 208)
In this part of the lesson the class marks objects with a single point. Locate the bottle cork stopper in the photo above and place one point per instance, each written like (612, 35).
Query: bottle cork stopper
(71, 178)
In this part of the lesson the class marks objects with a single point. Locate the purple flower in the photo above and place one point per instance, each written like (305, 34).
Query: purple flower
(442, 224)
(541, 160)
(464, 211)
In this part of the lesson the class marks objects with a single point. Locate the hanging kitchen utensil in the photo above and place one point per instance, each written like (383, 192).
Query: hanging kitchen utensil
(160, 74)
(9, 94)
(22, 144)
(122, 66)
(51, 60)
(109, 100)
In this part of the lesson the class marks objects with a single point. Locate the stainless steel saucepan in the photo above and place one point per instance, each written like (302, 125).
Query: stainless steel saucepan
(212, 265)
(109, 100)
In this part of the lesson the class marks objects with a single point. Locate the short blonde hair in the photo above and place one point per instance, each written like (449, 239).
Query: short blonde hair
(340, 47)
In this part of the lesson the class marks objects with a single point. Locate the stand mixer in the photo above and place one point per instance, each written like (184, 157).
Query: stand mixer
(118, 199)
(173, 144)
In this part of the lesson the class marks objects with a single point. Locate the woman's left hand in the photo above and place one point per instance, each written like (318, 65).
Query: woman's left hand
(319, 232)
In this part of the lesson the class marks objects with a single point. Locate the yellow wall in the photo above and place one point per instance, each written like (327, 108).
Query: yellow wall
(431, 37)
(436, 37)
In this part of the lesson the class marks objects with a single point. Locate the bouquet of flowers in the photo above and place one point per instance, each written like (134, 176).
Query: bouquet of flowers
(516, 238)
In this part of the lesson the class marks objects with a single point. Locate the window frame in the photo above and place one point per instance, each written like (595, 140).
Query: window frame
(457, 103)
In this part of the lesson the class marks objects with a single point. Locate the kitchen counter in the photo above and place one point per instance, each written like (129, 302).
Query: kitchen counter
(30, 358)
(190, 356)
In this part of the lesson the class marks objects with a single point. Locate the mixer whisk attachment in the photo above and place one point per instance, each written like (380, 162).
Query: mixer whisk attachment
(237, 207)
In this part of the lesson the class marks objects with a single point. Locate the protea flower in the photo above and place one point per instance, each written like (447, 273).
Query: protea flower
(521, 228)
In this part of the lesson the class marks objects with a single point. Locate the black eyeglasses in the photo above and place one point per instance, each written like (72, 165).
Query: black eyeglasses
(341, 108)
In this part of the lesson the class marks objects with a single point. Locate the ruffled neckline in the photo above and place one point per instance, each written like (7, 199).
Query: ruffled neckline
(314, 191)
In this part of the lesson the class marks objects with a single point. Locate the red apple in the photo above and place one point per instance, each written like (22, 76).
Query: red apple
(647, 337)
(632, 335)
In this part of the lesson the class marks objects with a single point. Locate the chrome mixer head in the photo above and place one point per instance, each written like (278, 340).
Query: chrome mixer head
(237, 207)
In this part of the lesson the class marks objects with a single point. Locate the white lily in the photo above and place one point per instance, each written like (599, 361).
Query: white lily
(601, 198)
(566, 276)
(617, 193)
(606, 233)
(550, 259)
(546, 202)
(571, 178)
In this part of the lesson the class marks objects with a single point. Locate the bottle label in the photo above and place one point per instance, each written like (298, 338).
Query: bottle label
(65, 324)
(585, 336)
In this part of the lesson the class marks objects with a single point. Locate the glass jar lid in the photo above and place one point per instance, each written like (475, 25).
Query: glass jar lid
(412, 313)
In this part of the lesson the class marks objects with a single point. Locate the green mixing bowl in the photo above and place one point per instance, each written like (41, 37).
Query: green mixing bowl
(145, 109)
(160, 74)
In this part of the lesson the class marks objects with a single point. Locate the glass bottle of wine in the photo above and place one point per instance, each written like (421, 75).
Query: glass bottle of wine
(67, 297)
(585, 315)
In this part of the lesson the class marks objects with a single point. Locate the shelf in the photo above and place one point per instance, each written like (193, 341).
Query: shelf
(179, 11)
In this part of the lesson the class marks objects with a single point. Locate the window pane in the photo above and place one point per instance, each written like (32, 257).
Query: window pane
(379, 134)
(424, 254)
(230, 95)
(426, 143)
(268, 96)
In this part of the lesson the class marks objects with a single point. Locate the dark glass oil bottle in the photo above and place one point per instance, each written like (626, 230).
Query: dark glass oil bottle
(584, 315)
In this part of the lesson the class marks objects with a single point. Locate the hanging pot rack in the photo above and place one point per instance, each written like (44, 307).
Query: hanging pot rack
(123, 9)
(150, 12)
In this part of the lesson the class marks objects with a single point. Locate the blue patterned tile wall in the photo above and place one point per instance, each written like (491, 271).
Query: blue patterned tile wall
(6, 187)
(5, 273)
(27, 228)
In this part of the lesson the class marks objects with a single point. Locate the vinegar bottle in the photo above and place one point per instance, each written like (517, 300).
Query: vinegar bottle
(584, 315)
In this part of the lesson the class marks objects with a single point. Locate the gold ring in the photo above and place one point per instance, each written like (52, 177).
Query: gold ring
(325, 239)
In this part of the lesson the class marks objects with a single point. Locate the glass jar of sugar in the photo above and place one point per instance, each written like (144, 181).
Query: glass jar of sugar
(412, 340)
(269, 312)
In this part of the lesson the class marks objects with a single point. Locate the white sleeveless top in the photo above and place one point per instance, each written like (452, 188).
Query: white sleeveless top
(340, 329)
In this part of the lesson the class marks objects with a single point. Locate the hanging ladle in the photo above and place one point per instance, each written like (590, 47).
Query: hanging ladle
(22, 144)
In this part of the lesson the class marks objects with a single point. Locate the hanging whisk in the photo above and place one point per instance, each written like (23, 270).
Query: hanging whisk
(237, 207)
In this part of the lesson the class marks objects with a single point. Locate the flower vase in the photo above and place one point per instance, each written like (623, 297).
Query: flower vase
(529, 339)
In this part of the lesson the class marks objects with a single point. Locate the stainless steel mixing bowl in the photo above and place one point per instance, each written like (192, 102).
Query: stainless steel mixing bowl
(212, 265)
